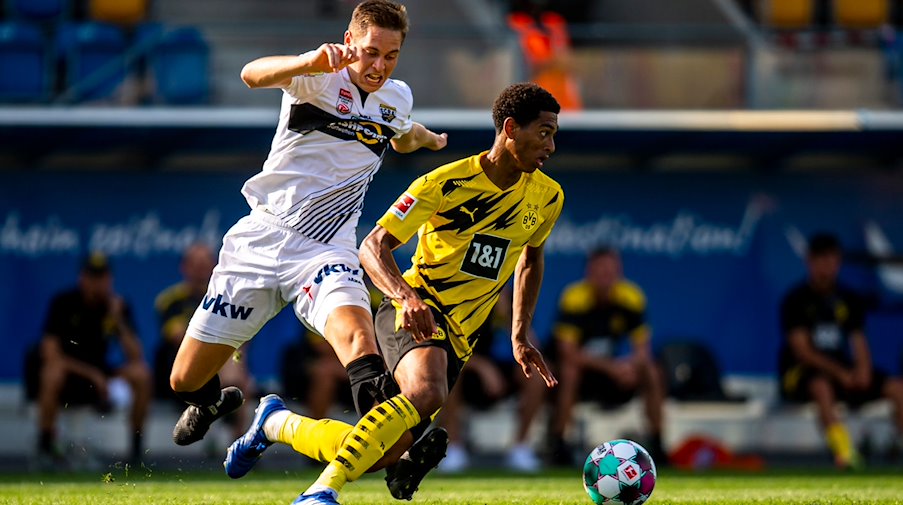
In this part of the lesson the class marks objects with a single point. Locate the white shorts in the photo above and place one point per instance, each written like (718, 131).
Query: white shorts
(265, 265)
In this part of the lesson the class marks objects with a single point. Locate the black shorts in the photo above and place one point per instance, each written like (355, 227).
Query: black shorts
(795, 387)
(393, 345)
(602, 389)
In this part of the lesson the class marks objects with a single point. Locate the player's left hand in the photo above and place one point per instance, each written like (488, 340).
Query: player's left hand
(437, 141)
(529, 357)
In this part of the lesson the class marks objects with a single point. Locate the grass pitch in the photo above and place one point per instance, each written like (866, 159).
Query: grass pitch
(548, 488)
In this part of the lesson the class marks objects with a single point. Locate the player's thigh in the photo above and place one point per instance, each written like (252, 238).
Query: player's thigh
(425, 371)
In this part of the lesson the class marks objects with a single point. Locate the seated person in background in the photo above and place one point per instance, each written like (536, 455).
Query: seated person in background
(81, 323)
(175, 305)
(491, 375)
(312, 374)
(825, 357)
(595, 315)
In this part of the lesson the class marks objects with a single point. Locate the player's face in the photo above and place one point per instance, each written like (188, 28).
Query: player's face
(379, 49)
(603, 271)
(535, 142)
(824, 269)
(96, 288)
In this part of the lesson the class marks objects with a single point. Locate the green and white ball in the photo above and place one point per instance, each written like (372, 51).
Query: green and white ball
(619, 472)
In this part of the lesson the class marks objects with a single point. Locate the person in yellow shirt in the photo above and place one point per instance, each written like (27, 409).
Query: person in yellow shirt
(595, 316)
(478, 221)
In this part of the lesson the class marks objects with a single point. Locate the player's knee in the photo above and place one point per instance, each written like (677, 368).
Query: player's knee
(428, 397)
(820, 389)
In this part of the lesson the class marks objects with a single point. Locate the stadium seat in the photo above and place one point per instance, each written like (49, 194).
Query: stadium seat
(23, 63)
(180, 67)
(92, 54)
(861, 14)
(38, 10)
(120, 12)
(787, 14)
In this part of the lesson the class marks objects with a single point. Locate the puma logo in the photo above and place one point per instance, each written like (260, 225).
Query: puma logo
(468, 212)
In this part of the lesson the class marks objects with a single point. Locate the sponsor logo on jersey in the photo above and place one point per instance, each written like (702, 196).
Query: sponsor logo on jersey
(404, 205)
(343, 105)
(387, 112)
(226, 308)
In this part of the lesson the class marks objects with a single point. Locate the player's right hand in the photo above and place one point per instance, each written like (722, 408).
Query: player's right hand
(417, 318)
(335, 57)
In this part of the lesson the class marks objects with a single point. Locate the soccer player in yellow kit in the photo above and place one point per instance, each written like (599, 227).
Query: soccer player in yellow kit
(478, 221)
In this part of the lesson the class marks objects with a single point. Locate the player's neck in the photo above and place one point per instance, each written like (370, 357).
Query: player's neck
(500, 167)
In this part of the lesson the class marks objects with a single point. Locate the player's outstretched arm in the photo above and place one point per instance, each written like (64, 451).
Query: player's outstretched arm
(527, 280)
(278, 71)
(376, 258)
(419, 136)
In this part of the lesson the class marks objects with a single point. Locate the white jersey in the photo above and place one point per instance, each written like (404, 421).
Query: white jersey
(328, 146)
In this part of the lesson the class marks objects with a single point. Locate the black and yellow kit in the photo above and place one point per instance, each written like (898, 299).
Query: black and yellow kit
(830, 319)
(586, 320)
(470, 235)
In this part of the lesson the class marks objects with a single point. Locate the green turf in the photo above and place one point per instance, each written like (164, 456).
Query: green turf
(171, 487)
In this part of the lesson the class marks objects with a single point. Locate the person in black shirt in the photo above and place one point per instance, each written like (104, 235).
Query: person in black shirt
(80, 326)
(825, 356)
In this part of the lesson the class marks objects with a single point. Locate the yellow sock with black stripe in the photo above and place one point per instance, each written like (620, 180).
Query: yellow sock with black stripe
(840, 443)
(319, 439)
(376, 432)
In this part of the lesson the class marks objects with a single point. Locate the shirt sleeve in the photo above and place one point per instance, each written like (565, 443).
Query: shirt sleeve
(412, 209)
(57, 318)
(568, 322)
(306, 86)
(553, 209)
(856, 320)
(793, 314)
(404, 123)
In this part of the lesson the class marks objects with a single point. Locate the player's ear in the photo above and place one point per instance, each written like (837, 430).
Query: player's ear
(510, 127)
(348, 37)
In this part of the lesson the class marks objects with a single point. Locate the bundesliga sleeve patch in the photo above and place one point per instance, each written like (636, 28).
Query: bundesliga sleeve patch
(404, 205)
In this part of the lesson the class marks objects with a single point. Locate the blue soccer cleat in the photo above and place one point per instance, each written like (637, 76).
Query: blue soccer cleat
(320, 498)
(243, 454)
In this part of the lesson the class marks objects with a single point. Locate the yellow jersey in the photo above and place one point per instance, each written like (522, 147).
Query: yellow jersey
(470, 235)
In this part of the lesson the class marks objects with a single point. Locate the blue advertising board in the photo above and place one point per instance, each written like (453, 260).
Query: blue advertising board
(713, 251)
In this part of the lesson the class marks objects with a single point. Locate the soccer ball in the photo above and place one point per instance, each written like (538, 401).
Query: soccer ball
(619, 472)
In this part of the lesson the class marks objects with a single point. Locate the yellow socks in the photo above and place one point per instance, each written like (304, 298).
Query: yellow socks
(319, 439)
(841, 445)
(376, 432)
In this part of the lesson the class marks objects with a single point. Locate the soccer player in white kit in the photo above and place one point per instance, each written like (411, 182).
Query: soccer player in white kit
(340, 111)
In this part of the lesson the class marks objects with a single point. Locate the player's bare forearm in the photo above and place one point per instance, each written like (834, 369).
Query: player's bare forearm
(800, 346)
(278, 71)
(527, 281)
(419, 136)
(376, 258)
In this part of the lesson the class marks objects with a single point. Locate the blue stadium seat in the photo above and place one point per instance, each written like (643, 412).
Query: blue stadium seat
(92, 55)
(38, 10)
(180, 64)
(23, 63)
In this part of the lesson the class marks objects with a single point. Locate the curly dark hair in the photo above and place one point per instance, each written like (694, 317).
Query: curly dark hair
(523, 102)
(381, 13)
